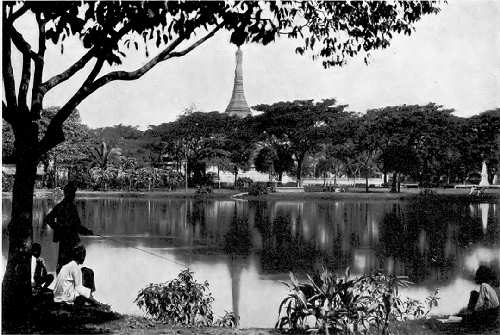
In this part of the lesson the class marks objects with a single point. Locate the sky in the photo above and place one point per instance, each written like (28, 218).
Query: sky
(452, 59)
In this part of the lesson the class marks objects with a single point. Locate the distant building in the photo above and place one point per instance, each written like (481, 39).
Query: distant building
(238, 104)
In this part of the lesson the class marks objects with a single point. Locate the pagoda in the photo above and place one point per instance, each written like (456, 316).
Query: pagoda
(238, 104)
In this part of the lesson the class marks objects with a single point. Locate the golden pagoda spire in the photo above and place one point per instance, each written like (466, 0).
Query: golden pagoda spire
(238, 104)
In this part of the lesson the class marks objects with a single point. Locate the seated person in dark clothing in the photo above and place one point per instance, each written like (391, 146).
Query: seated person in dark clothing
(483, 306)
(40, 279)
(75, 284)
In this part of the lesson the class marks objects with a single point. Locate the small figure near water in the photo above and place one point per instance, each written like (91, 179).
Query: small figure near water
(476, 190)
(40, 279)
(75, 284)
(65, 222)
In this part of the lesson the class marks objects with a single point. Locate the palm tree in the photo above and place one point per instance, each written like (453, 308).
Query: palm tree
(102, 156)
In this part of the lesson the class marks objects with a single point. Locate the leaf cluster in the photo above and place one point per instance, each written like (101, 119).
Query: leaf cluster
(346, 304)
(181, 301)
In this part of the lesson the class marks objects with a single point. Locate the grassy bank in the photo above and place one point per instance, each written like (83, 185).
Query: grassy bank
(156, 194)
(135, 325)
(377, 194)
(190, 193)
(354, 194)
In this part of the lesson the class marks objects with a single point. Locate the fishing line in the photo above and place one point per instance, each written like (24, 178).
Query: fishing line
(184, 265)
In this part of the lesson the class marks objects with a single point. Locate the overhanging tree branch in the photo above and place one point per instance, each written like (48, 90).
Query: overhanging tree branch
(132, 75)
(21, 44)
(65, 75)
(15, 15)
(162, 56)
(80, 64)
(197, 43)
(54, 134)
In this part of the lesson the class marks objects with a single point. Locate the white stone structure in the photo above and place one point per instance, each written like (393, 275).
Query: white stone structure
(484, 176)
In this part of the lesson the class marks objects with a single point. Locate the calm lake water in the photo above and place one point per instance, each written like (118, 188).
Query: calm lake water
(245, 249)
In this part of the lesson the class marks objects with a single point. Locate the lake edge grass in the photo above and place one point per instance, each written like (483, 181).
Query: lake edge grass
(132, 324)
(228, 194)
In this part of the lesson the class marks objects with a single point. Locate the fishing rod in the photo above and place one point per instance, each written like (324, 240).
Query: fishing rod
(184, 265)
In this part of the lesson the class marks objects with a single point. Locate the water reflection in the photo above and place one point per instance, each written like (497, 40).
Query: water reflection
(244, 248)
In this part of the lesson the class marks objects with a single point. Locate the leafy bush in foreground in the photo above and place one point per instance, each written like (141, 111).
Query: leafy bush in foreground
(229, 320)
(182, 301)
(345, 305)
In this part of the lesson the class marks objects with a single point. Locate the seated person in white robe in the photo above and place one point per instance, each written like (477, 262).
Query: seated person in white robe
(488, 298)
(483, 304)
(74, 283)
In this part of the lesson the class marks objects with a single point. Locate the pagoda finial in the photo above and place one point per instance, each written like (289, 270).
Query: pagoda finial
(238, 104)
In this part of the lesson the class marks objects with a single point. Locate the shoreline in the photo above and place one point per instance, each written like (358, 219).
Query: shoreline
(129, 324)
(230, 194)
(378, 194)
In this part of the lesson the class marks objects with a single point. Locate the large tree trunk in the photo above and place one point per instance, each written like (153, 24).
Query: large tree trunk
(16, 285)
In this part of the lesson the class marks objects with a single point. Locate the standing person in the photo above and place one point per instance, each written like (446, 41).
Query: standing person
(65, 222)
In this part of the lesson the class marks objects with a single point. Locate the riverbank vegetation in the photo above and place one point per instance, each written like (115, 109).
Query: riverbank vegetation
(333, 304)
(425, 145)
(322, 303)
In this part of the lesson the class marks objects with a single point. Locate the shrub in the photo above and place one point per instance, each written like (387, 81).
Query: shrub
(81, 177)
(346, 305)
(257, 189)
(181, 301)
(7, 182)
(229, 320)
(243, 183)
(427, 192)
(172, 179)
(203, 189)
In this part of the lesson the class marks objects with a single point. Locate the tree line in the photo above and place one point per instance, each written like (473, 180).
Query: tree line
(425, 144)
